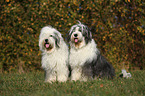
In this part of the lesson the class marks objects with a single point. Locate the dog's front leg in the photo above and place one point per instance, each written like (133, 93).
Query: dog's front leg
(76, 73)
(50, 76)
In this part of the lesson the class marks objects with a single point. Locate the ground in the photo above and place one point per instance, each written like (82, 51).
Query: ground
(32, 84)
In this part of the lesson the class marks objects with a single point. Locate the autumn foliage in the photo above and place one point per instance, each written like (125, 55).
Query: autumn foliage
(118, 27)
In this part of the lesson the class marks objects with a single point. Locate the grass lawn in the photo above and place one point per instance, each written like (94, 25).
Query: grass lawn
(32, 84)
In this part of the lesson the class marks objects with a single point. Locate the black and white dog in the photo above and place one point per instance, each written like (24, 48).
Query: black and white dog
(85, 59)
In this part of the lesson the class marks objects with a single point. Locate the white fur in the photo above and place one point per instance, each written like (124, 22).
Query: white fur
(79, 56)
(54, 62)
(125, 74)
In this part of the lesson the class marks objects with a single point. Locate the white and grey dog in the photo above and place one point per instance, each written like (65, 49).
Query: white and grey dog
(85, 59)
(54, 55)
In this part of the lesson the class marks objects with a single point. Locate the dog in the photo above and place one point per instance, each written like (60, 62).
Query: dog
(54, 55)
(85, 59)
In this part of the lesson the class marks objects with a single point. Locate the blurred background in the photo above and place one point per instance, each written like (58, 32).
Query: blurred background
(118, 27)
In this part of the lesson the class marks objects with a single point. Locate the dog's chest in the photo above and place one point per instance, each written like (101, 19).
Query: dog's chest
(79, 57)
(53, 61)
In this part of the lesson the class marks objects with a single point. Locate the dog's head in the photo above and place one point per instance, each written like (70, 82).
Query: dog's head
(79, 35)
(49, 39)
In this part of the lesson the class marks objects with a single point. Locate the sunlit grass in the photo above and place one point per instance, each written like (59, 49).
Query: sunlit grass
(32, 84)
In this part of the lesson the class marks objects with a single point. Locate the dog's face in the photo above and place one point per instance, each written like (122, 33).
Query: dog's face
(49, 39)
(79, 36)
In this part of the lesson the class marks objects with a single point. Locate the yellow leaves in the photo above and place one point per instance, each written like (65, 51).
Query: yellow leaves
(69, 24)
(104, 37)
(58, 14)
(66, 1)
(29, 62)
(30, 29)
(116, 0)
(31, 50)
(127, 0)
(56, 22)
(7, 0)
(60, 25)
(61, 5)
(9, 4)
(61, 19)
(75, 2)
(121, 28)
(31, 19)
(32, 23)
(126, 25)
(138, 28)
(93, 5)
(114, 35)
(82, 16)
(142, 31)
(39, 53)
(111, 34)
(114, 49)
(114, 3)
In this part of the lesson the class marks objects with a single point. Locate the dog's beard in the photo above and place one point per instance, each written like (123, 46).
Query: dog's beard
(77, 42)
(48, 46)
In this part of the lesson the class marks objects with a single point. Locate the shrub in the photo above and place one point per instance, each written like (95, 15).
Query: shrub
(117, 26)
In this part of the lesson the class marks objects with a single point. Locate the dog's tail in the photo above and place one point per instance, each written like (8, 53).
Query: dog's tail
(124, 74)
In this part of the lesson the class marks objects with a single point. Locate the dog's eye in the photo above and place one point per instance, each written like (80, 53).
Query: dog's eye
(51, 35)
(80, 30)
(73, 30)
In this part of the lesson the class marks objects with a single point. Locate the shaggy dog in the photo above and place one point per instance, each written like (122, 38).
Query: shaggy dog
(54, 55)
(85, 59)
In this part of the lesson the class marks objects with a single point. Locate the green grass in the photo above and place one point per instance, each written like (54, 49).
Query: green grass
(32, 84)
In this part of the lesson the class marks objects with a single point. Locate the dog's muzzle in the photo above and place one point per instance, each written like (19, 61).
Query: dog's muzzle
(76, 38)
(46, 44)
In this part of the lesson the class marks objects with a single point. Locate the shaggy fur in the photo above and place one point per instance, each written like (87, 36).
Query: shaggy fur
(85, 59)
(54, 55)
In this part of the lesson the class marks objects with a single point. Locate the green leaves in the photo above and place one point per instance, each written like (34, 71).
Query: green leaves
(117, 26)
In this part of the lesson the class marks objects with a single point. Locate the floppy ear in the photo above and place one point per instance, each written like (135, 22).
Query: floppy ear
(69, 36)
(40, 44)
(40, 41)
(57, 39)
(70, 33)
(87, 34)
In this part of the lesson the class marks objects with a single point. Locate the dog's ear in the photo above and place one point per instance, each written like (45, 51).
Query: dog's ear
(40, 43)
(70, 33)
(87, 34)
(69, 36)
(57, 39)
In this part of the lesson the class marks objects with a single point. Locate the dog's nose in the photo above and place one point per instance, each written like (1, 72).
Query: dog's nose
(75, 35)
(46, 40)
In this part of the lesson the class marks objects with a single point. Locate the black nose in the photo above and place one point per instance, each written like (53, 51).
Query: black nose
(75, 35)
(46, 40)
